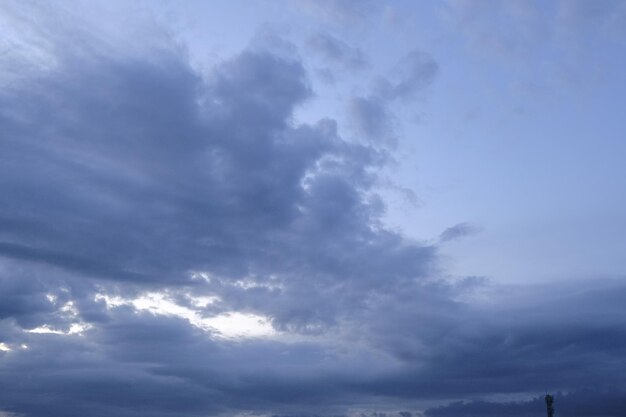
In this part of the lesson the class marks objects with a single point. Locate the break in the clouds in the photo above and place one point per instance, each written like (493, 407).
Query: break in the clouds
(179, 238)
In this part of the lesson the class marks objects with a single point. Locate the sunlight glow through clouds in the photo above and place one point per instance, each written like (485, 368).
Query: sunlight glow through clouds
(229, 325)
(69, 310)
(75, 328)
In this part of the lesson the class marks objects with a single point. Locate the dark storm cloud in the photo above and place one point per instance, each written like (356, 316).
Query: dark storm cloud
(567, 337)
(71, 376)
(146, 172)
(135, 364)
(126, 173)
(130, 149)
(584, 403)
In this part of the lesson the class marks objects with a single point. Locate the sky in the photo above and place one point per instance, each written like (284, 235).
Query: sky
(300, 208)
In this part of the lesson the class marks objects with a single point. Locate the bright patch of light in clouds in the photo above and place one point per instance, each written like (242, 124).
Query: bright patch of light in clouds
(6, 348)
(228, 325)
(75, 328)
(235, 324)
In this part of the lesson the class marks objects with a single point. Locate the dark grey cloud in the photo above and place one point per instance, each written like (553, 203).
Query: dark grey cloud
(549, 339)
(128, 172)
(147, 172)
(588, 402)
(336, 52)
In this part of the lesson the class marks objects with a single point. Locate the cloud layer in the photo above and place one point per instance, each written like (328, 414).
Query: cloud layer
(131, 176)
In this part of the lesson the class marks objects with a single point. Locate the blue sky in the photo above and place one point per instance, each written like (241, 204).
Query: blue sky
(312, 208)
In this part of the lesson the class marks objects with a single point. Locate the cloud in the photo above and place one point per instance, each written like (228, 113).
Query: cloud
(371, 116)
(340, 11)
(132, 176)
(458, 231)
(414, 72)
(371, 119)
(132, 173)
(585, 16)
(587, 402)
(508, 30)
(336, 52)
